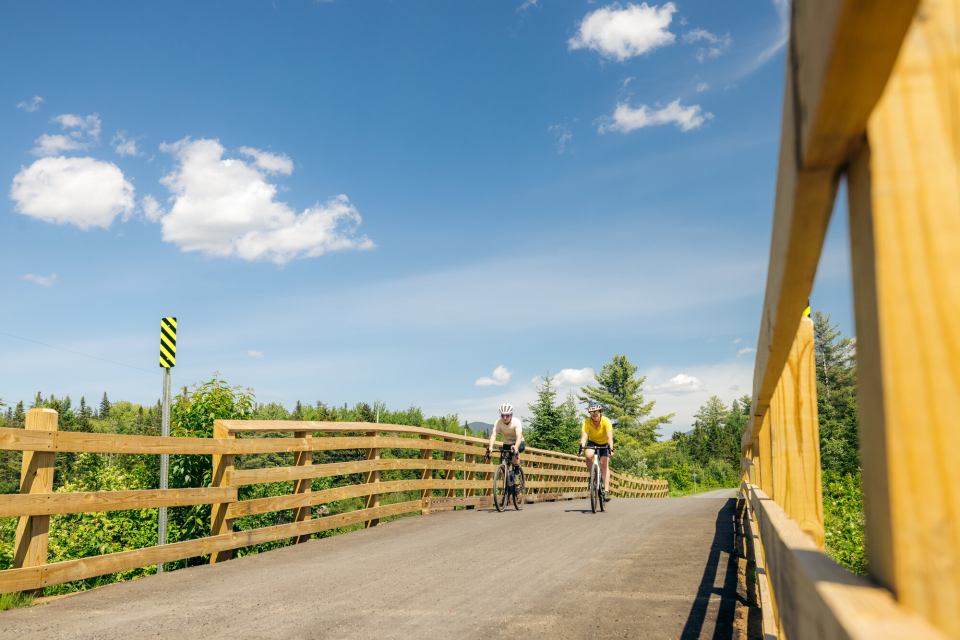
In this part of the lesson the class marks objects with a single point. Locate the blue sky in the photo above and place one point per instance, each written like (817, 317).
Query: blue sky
(428, 203)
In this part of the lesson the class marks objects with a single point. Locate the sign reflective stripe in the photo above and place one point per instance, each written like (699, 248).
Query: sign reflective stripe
(168, 342)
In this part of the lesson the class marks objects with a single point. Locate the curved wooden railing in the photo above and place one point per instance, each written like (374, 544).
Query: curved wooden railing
(550, 476)
(871, 96)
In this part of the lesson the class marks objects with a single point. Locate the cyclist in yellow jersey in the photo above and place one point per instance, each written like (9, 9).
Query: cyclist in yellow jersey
(596, 438)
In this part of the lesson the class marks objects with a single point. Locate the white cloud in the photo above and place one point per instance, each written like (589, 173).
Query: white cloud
(703, 86)
(500, 377)
(718, 44)
(735, 387)
(83, 133)
(735, 341)
(125, 146)
(81, 191)
(31, 105)
(680, 384)
(48, 145)
(783, 33)
(225, 207)
(527, 4)
(746, 350)
(625, 118)
(254, 354)
(574, 377)
(563, 136)
(152, 210)
(88, 126)
(270, 162)
(46, 281)
(619, 34)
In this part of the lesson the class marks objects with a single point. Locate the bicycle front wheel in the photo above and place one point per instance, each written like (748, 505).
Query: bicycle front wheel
(500, 488)
(593, 486)
(519, 490)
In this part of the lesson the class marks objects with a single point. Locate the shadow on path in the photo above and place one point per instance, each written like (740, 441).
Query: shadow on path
(723, 544)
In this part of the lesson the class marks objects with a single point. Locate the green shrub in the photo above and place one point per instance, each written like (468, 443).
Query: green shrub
(843, 520)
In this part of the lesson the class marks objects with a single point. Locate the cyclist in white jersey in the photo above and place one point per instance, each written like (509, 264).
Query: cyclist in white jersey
(512, 431)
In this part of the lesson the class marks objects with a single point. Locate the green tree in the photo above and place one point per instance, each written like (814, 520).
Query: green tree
(37, 402)
(105, 407)
(19, 416)
(545, 428)
(621, 394)
(836, 396)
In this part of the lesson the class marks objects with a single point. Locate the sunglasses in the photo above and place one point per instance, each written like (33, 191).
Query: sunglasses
(595, 413)
(505, 415)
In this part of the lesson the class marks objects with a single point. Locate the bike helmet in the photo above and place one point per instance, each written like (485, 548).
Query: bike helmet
(594, 406)
(506, 409)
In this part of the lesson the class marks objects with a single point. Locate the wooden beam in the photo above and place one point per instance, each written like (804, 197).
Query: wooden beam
(286, 474)
(305, 485)
(222, 468)
(905, 242)
(426, 458)
(93, 501)
(373, 499)
(795, 437)
(816, 598)
(839, 57)
(36, 476)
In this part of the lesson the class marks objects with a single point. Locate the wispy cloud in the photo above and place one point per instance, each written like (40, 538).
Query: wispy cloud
(735, 341)
(563, 136)
(125, 146)
(46, 281)
(735, 387)
(717, 44)
(746, 350)
(82, 133)
(31, 105)
(499, 378)
(620, 34)
(254, 354)
(703, 86)
(527, 4)
(680, 384)
(626, 118)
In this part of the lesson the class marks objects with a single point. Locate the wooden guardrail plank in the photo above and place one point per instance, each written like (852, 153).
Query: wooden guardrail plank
(304, 486)
(816, 598)
(425, 462)
(373, 477)
(60, 572)
(840, 56)
(905, 233)
(93, 501)
(36, 476)
(285, 474)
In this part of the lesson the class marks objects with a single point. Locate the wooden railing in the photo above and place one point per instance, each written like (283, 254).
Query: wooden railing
(872, 95)
(550, 476)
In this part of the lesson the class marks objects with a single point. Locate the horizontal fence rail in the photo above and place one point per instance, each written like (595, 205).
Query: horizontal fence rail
(460, 477)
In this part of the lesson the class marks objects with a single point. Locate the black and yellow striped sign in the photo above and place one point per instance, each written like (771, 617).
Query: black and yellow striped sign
(168, 342)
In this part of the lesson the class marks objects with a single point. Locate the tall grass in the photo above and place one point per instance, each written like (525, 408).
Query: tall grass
(15, 600)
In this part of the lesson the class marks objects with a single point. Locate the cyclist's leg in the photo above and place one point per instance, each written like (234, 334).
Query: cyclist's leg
(516, 458)
(605, 471)
(589, 453)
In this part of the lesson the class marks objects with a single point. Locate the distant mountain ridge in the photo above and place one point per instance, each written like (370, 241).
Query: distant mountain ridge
(481, 426)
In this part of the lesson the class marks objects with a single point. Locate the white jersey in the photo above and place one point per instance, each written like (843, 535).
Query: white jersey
(510, 432)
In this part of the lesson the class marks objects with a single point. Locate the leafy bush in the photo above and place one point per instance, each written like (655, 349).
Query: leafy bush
(629, 461)
(843, 520)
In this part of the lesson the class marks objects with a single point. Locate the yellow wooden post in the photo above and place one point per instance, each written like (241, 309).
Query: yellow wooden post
(426, 474)
(373, 500)
(764, 458)
(302, 459)
(36, 476)
(905, 243)
(795, 438)
(222, 467)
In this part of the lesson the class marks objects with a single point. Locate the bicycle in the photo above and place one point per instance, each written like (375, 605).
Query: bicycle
(503, 488)
(596, 481)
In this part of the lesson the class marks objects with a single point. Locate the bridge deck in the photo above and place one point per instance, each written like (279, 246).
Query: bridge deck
(646, 568)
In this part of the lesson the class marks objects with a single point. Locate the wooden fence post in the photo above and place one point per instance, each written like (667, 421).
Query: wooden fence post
(764, 458)
(222, 466)
(303, 459)
(904, 209)
(426, 474)
(795, 438)
(36, 476)
(373, 500)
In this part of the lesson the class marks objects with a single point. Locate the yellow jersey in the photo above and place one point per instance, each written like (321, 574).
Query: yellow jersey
(597, 434)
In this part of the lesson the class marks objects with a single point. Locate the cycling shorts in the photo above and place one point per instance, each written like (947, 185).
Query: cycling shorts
(507, 447)
(603, 450)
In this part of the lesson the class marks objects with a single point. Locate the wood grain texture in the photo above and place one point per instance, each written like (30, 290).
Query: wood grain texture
(905, 215)
(795, 438)
(36, 476)
(816, 598)
(93, 501)
(285, 474)
(219, 522)
(301, 487)
(373, 477)
(60, 572)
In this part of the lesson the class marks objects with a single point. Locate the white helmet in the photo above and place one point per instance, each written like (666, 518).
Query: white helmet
(506, 409)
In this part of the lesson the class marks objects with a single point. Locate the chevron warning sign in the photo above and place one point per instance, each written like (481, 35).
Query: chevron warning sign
(168, 342)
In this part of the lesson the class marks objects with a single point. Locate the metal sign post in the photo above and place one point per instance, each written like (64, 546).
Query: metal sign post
(168, 358)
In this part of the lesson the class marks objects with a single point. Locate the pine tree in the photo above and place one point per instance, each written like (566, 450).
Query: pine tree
(37, 402)
(836, 396)
(104, 407)
(546, 427)
(19, 417)
(621, 394)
